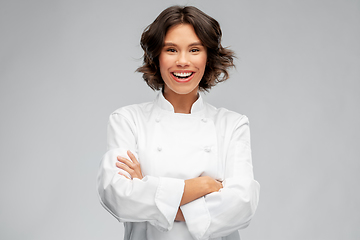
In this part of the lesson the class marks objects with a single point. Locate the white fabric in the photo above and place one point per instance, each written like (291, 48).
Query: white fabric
(172, 147)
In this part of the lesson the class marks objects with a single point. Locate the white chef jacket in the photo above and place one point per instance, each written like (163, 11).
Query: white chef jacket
(172, 147)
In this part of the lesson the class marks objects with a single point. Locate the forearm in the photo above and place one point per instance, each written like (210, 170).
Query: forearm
(195, 188)
(220, 213)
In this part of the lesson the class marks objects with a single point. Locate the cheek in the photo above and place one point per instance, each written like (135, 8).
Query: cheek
(202, 63)
(163, 62)
(163, 67)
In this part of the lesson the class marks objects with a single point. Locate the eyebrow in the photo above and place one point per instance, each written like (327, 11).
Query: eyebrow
(191, 45)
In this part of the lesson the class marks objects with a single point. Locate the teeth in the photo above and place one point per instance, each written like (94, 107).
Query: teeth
(182, 74)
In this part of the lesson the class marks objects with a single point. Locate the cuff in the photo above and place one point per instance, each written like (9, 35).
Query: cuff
(167, 199)
(197, 217)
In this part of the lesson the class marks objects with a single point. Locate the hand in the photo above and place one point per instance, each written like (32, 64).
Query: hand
(132, 167)
(213, 184)
(198, 187)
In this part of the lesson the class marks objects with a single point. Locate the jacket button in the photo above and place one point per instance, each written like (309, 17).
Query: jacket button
(207, 149)
(157, 120)
(204, 120)
(159, 149)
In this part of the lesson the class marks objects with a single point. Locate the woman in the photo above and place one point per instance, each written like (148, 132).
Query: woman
(177, 167)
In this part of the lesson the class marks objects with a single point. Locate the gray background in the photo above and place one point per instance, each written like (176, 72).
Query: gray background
(66, 65)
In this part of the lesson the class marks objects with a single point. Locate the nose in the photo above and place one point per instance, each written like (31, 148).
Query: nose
(182, 61)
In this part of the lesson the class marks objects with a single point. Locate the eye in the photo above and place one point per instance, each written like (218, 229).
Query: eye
(171, 50)
(194, 50)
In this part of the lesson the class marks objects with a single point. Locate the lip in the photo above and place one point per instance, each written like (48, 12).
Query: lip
(182, 80)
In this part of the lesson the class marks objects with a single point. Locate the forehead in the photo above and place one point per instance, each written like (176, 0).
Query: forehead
(181, 33)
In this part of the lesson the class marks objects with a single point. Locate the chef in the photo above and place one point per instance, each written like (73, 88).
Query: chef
(178, 168)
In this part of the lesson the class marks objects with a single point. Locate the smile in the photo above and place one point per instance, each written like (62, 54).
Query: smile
(182, 76)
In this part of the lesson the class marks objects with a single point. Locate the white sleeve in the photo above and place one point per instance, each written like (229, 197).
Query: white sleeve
(221, 213)
(152, 199)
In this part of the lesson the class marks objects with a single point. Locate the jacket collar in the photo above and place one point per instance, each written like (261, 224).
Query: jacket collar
(164, 104)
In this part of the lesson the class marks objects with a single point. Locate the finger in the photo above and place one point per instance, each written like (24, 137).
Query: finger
(126, 161)
(136, 167)
(132, 157)
(125, 168)
(124, 175)
(132, 172)
(132, 168)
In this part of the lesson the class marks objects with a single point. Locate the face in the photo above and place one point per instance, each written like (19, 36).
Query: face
(182, 60)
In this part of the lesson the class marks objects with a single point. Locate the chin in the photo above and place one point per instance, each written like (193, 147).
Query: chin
(184, 90)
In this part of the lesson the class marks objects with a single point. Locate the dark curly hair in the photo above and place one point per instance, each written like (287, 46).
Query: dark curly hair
(207, 29)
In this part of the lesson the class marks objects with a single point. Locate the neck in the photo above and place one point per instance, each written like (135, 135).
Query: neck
(182, 103)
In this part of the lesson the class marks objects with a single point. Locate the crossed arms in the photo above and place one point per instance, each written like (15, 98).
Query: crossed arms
(194, 188)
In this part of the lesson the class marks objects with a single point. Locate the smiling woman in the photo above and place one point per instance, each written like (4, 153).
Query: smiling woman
(178, 168)
(208, 33)
(182, 61)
